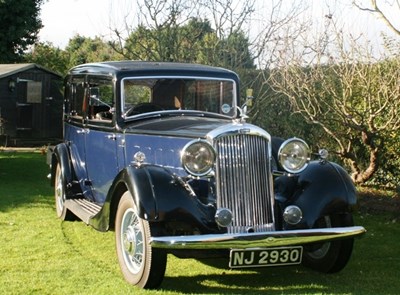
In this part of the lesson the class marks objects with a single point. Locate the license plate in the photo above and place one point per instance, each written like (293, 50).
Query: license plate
(240, 258)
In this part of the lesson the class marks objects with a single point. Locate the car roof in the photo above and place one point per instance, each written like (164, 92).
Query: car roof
(126, 68)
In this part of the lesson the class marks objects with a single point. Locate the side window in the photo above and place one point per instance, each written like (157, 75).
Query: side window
(75, 102)
(101, 98)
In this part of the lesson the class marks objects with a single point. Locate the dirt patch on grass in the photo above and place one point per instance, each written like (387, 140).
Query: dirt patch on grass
(379, 201)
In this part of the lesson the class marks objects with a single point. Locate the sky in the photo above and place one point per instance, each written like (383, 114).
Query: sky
(63, 19)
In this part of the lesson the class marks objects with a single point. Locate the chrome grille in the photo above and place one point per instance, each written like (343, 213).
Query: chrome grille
(243, 181)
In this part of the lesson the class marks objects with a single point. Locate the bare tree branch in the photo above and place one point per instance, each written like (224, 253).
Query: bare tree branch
(376, 9)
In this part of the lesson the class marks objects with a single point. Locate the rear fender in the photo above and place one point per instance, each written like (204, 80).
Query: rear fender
(61, 155)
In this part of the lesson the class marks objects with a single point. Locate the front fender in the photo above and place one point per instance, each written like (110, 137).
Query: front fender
(323, 188)
(159, 195)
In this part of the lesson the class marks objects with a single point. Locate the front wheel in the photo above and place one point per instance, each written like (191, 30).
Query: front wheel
(330, 257)
(141, 265)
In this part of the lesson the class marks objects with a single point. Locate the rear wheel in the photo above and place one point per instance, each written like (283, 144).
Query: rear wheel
(140, 264)
(60, 196)
(332, 256)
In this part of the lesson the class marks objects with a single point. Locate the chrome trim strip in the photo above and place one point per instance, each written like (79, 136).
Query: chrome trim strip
(256, 240)
(235, 128)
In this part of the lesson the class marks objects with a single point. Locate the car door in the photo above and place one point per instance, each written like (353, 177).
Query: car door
(75, 130)
(101, 144)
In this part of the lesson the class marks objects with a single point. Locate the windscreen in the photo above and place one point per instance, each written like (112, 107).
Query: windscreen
(167, 94)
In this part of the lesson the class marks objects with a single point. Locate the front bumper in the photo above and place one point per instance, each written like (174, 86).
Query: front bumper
(256, 240)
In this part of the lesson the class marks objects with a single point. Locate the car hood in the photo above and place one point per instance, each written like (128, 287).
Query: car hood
(177, 126)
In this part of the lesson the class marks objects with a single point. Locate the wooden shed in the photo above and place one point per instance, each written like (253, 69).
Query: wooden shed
(31, 103)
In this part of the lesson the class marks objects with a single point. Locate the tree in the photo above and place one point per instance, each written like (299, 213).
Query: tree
(172, 42)
(275, 113)
(385, 11)
(82, 49)
(214, 32)
(49, 56)
(388, 12)
(234, 52)
(182, 31)
(157, 36)
(78, 51)
(19, 27)
(349, 94)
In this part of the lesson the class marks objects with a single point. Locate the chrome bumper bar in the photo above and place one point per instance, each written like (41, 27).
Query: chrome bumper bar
(256, 240)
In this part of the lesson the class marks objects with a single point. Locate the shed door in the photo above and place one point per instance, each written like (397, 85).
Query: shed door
(24, 116)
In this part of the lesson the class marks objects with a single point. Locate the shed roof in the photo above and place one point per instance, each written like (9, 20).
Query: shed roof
(11, 69)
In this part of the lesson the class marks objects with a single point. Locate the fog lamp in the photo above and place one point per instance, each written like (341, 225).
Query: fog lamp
(223, 217)
(292, 214)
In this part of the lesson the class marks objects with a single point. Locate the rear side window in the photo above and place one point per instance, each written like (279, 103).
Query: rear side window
(75, 102)
(91, 98)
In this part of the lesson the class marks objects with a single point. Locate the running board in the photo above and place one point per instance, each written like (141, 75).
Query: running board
(83, 209)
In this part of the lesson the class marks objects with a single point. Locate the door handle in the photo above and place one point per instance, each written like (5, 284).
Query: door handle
(82, 131)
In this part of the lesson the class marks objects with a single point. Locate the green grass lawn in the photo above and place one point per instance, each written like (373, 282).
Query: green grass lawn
(42, 255)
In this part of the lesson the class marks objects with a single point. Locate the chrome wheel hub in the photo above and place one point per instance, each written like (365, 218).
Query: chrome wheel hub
(129, 240)
(132, 242)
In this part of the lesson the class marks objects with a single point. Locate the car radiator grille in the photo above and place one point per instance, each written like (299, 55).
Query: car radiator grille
(243, 182)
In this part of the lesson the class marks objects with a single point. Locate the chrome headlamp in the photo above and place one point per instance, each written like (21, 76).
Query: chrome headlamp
(294, 155)
(198, 157)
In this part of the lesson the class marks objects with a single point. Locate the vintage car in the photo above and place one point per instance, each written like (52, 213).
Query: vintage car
(162, 154)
